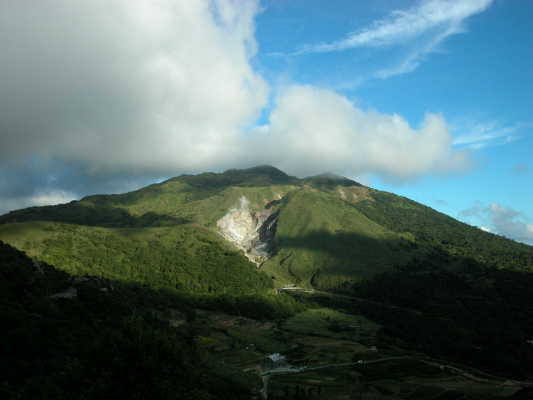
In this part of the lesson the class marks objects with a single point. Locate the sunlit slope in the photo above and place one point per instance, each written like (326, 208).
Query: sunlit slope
(331, 231)
(163, 235)
(187, 258)
(430, 228)
(323, 241)
(201, 199)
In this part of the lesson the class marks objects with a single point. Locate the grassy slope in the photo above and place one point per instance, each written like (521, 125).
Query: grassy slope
(323, 241)
(182, 257)
(110, 341)
(163, 235)
(433, 229)
(116, 341)
(330, 231)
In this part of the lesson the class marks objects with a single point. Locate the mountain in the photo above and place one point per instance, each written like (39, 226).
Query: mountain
(196, 280)
(207, 233)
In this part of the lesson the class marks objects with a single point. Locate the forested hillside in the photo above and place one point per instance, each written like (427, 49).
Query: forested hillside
(134, 270)
(330, 233)
(86, 338)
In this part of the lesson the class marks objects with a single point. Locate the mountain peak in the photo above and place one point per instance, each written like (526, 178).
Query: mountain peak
(260, 175)
(263, 175)
(330, 179)
(260, 170)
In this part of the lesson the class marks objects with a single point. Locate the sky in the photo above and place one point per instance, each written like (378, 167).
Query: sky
(429, 99)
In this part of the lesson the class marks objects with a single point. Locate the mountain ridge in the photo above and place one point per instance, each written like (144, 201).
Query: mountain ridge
(330, 231)
(411, 280)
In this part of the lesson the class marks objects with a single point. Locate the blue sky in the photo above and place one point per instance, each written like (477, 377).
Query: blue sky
(480, 80)
(430, 99)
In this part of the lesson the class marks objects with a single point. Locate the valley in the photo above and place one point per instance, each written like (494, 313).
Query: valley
(326, 354)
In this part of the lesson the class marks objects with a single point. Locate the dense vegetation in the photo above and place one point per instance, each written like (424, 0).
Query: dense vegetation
(481, 316)
(183, 258)
(110, 339)
(100, 344)
(433, 229)
(447, 288)
(331, 232)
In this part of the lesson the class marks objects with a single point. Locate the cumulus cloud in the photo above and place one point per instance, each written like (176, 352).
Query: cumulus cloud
(312, 130)
(503, 220)
(510, 223)
(101, 96)
(158, 85)
(427, 24)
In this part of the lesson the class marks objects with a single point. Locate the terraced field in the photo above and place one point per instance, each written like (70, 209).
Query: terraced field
(332, 355)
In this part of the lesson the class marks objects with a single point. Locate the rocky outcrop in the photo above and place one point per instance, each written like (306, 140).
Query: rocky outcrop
(251, 231)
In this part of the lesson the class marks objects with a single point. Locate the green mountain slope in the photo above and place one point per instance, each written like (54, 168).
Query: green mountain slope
(183, 257)
(79, 338)
(434, 284)
(431, 228)
(324, 231)
(323, 240)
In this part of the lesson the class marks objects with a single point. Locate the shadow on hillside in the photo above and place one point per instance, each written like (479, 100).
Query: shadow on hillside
(24, 279)
(346, 247)
(103, 216)
(116, 339)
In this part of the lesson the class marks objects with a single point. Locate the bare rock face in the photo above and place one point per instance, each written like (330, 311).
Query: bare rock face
(252, 232)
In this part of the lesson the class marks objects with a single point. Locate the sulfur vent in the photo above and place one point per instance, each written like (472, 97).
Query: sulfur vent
(252, 232)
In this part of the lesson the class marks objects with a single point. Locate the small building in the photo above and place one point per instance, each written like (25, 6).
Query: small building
(275, 360)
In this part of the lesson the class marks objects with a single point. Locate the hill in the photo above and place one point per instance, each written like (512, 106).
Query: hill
(210, 250)
(68, 337)
(325, 232)
(90, 338)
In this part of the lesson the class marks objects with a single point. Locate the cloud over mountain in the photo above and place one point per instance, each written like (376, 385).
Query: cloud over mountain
(155, 88)
(154, 85)
(312, 130)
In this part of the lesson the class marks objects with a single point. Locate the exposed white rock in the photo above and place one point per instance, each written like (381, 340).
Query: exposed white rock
(250, 231)
(238, 225)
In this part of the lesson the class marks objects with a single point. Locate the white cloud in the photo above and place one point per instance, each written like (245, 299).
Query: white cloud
(107, 89)
(502, 220)
(160, 85)
(403, 25)
(165, 86)
(414, 57)
(476, 135)
(425, 25)
(314, 130)
(510, 223)
(51, 197)
(40, 198)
